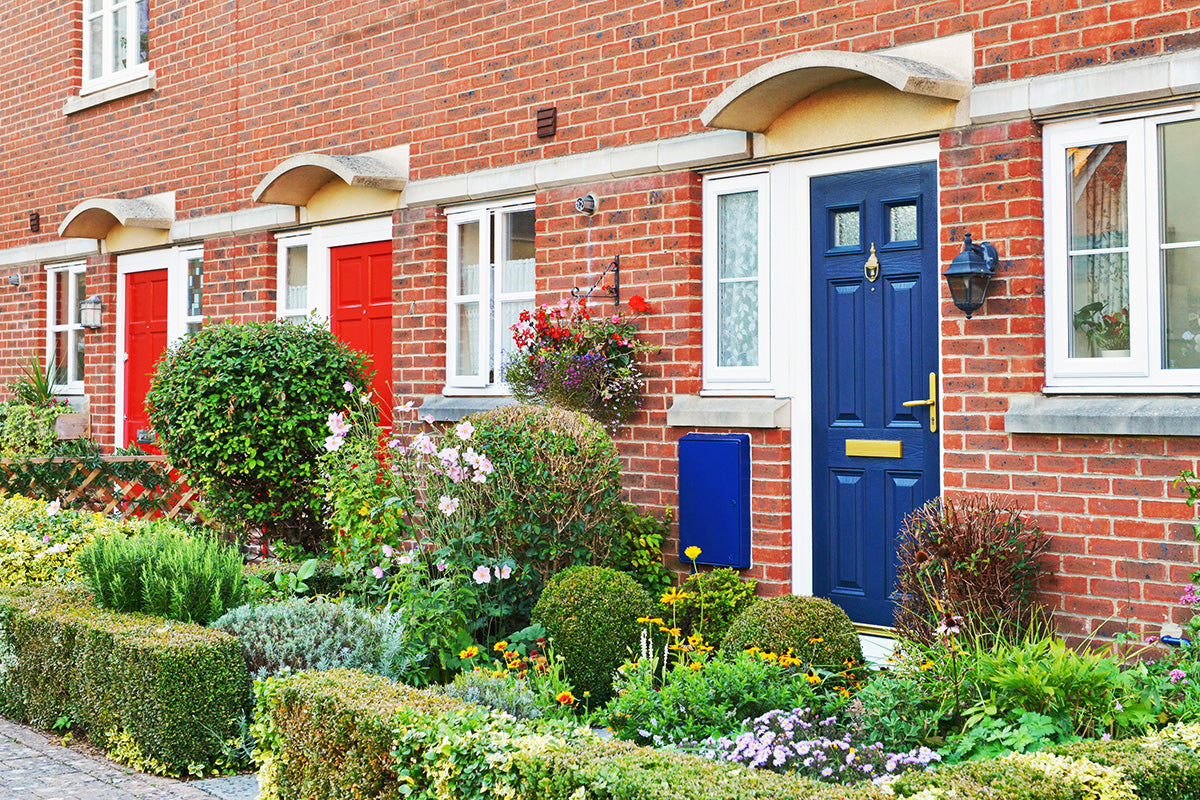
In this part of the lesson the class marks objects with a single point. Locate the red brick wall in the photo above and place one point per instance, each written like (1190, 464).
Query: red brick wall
(243, 86)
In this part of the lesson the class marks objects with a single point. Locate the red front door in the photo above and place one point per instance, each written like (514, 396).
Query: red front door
(362, 310)
(145, 340)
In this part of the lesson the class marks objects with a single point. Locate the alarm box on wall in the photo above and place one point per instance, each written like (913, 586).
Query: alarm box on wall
(714, 498)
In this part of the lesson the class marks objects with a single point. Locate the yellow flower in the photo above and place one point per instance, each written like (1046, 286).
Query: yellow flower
(566, 698)
(695, 665)
(812, 677)
(470, 652)
(815, 639)
(500, 647)
(365, 510)
(692, 553)
(673, 595)
(927, 665)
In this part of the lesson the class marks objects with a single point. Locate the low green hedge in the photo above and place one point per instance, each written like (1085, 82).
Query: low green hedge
(346, 734)
(158, 695)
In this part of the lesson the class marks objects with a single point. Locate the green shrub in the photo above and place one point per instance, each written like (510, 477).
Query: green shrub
(812, 628)
(278, 638)
(39, 541)
(637, 548)
(160, 695)
(165, 572)
(709, 602)
(275, 580)
(240, 409)
(591, 615)
(970, 563)
(345, 735)
(555, 496)
(27, 431)
(697, 703)
(500, 692)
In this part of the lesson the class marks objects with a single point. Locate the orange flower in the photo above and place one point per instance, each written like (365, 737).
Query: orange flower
(566, 698)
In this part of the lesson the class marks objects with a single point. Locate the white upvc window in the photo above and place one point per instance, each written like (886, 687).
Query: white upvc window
(116, 42)
(737, 278)
(491, 280)
(297, 297)
(193, 289)
(65, 289)
(1123, 253)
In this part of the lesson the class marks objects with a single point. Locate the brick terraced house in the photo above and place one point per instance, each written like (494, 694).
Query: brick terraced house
(784, 182)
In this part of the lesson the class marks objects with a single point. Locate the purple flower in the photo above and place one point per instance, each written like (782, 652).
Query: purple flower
(1177, 675)
(1190, 598)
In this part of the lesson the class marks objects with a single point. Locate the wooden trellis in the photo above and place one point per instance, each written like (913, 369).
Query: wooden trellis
(97, 484)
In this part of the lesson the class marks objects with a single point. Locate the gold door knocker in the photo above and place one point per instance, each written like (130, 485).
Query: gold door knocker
(871, 268)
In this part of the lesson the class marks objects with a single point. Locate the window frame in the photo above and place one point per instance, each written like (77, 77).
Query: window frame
(489, 296)
(1143, 369)
(319, 240)
(135, 68)
(717, 378)
(73, 328)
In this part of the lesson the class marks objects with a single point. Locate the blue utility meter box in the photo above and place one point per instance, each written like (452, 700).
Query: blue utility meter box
(714, 498)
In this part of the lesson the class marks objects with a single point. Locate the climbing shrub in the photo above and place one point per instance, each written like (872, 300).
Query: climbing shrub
(241, 408)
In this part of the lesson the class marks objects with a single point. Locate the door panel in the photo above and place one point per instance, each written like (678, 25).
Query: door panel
(145, 341)
(874, 345)
(361, 317)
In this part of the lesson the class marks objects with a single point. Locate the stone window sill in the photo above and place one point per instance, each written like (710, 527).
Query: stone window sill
(82, 102)
(1105, 415)
(689, 411)
(451, 409)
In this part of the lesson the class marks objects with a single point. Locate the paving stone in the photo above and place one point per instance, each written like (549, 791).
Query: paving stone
(33, 767)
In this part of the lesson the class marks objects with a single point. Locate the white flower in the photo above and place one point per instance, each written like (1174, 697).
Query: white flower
(366, 398)
(423, 444)
(347, 387)
(53, 508)
(482, 574)
(337, 424)
(448, 456)
(448, 505)
(333, 443)
(464, 429)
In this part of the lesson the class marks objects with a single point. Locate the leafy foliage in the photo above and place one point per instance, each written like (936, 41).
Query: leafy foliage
(27, 431)
(501, 692)
(165, 572)
(591, 615)
(39, 541)
(969, 562)
(709, 602)
(809, 628)
(240, 408)
(158, 695)
(279, 638)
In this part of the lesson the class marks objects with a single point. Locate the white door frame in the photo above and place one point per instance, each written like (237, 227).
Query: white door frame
(792, 293)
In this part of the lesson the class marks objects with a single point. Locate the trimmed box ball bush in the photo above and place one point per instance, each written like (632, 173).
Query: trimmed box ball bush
(591, 616)
(240, 409)
(160, 696)
(345, 735)
(165, 572)
(813, 628)
(278, 638)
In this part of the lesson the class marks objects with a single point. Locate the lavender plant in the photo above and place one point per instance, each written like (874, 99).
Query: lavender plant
(822, 749)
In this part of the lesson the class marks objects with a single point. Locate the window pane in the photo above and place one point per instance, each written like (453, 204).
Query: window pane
(95, 6)
(79, 280)
(62, 297)
(296, 288)
(1181, 308)
(192, 327)
(1099, 304)
(737, 235)
(195, 287)
(1099, 208)
(77, 362)
(1181, 194)
(143, 31)
(468, 258)
(519, 262)
(468, 339)
(95, 66)
(61, 357)
(119, 32)
(846, 229)
(902, 223)
(737, 328)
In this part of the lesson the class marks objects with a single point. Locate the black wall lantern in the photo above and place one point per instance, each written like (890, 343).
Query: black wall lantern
(969, 273)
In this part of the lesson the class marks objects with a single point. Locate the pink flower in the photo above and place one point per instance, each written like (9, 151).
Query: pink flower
(1190, 598)
(378, 571)
(337, 424)
(332, 443)
(407, 558)
(482, 574)
(427, 419)
(441, 566)
(448, 505)
(347, 387)
(1177, 675)
(464, 429)
(387, 550)
(503, 571)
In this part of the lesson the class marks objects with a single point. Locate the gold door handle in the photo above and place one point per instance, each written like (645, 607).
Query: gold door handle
(931, 402)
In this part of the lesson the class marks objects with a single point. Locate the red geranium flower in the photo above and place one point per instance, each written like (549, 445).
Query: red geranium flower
(639, 305)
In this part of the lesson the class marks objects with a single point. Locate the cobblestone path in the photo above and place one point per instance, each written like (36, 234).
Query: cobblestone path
(34, 768)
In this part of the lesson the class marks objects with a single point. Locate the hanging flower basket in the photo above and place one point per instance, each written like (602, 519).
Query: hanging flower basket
(575, 358)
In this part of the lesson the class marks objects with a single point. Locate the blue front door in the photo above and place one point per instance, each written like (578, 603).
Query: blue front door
(874, 340)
